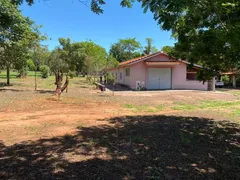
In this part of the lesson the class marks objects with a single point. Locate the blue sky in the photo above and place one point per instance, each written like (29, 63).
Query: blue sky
(70, 18)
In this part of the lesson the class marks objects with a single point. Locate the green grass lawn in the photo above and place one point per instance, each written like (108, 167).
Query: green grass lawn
(3, 74)
(13, 74)
(27, 82)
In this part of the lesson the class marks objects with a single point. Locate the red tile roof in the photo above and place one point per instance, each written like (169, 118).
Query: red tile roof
(128, 62)
(137, 59)
(163, 63)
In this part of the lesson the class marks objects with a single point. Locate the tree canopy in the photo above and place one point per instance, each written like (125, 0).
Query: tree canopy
(17, 36)
(207, 30)
(149, 48)
(125, 49)
(168, 49)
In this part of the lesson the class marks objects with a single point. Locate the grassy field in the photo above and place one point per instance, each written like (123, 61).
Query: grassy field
(88, 134)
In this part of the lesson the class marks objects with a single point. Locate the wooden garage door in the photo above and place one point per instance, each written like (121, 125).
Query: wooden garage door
(159, 78)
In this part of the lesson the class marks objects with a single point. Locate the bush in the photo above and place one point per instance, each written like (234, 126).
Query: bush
(110, 78)
(72, 74)
(44, 71)
(225, 79)
(30, 65)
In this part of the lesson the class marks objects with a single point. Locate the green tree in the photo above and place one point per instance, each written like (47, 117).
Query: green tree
(86, 57)
(168, 49)
(30, 65)
(64, 59)
(44, 71)
(12, 34)
(125, 49)
(15, 41)
(17, 36)
(40, 55)
(207, 30)
(149, 48)
(96, 59)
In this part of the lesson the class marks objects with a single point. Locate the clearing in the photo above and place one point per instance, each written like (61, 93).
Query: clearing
(87, 134)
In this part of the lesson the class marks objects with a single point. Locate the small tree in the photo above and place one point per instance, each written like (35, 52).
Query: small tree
(63, 59)
(45, 71)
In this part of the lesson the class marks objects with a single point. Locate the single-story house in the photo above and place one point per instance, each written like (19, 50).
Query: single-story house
(158, 71)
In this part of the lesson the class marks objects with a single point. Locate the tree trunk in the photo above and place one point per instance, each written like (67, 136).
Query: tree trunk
(8, 75)
(22, 73)
(58, 83)
(65, 84)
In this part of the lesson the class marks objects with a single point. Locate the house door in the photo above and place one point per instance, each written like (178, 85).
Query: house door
(159, 78)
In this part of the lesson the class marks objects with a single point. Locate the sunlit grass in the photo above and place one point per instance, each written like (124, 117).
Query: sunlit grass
(3, 74)
(212, 104)
(235, 93)
(184, 106)
(143, 108)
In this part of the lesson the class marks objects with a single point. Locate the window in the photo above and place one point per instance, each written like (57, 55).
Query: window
(191, 76)
(127, 72)
(120, 76)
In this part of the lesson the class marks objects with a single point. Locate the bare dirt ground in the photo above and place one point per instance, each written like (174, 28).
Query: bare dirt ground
(87, 134)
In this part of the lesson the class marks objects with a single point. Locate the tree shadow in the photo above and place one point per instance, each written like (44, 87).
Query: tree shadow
(2, 84)
(132, 147)
(45, 91)
(12, 90)
(20, 90)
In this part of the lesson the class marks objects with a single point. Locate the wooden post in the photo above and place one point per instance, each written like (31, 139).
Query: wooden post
(113, 88)
(234, 81)
(35, 79)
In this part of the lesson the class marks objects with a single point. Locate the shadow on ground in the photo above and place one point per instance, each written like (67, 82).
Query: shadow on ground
(45, 91)
(117, 87)
(12, 90)
(3, 84)
(132, 147)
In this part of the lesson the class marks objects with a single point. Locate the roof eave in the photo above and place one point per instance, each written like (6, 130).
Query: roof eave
(145, 58)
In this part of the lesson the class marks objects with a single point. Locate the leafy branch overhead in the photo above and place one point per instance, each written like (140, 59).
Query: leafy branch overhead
(95, 5)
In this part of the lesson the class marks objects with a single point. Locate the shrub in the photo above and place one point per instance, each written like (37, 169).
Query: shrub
(110, 78)
(72, 74)
(44, 71)
(225, 78)
(30, 65)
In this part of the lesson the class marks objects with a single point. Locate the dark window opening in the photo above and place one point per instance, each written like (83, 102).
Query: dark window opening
(191, 76)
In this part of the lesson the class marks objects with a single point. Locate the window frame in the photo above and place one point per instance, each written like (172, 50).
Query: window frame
(195, 75)
(127, 72)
